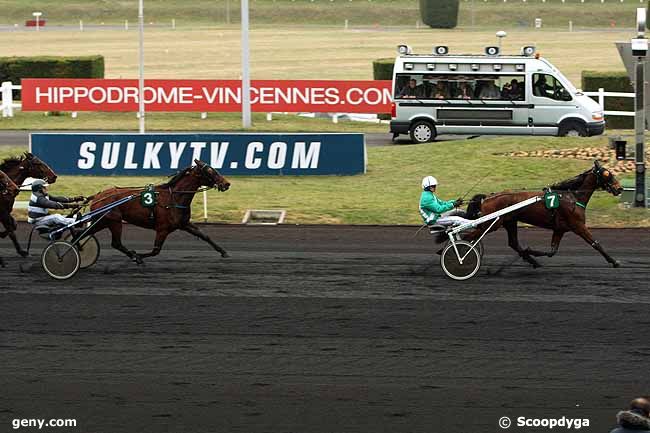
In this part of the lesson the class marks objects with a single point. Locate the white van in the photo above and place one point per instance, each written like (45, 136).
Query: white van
(487, 94)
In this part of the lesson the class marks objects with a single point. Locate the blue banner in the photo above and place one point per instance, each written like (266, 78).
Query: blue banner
(231, 154)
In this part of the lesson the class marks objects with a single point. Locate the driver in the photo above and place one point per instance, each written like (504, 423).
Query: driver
(40, 202)
(436, 211)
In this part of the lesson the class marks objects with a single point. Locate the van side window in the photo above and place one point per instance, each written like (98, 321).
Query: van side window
(459, 86)
(547, 86)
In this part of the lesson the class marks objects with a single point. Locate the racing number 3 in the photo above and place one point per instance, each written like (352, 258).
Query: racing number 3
(148, 198)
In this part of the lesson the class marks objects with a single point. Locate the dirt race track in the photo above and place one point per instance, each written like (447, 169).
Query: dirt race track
(325, 329)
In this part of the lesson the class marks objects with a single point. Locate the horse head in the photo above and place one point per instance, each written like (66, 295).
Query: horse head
(209, 176)
(474, 206)
(606, 180)
(34, 167)
(7, 186)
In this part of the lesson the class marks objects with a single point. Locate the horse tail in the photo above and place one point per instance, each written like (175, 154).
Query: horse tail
(474, 206)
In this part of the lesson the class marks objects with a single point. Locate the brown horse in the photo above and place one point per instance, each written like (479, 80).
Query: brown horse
(8, 192)
(172, 211)
(569, 217)
(18, 169)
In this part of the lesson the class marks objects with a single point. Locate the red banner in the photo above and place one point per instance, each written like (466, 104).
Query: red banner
(206, 95)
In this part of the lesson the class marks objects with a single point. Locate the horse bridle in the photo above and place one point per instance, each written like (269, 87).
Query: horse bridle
(206, 174)
(605, 181)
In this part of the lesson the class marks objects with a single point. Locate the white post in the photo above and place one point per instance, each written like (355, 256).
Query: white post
(269, 117)
(141, 81)
(7, 100)
(73, 114)
(205, 206)
(335, 118)
(81, 25)
(245, 79)
(570, 26)
(346, 25)
(126, 24)
(601, 97)
(173, 23)
(204, 115)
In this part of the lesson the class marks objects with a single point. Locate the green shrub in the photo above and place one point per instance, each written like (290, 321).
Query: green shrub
(16, 68)
(612, 81)
(439, 14)
(382, 69)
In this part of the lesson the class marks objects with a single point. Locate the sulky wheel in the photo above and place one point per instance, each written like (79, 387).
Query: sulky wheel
(88, 248)
(60, 260)
(471, 260)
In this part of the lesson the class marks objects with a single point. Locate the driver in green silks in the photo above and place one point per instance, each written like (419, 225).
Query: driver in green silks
(436, 211)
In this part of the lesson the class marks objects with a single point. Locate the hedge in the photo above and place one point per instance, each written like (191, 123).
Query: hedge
(612, 81)
(16, 68)
(439, 14)
(382, 69)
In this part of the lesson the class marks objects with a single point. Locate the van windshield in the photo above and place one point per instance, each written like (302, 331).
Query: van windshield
(447, 86)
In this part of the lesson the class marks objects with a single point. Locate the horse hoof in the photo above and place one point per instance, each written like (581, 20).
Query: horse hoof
(616, 264)
(23, 253)
(225, 255)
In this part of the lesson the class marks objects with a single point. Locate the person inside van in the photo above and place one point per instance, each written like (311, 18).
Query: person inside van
(541, 88)
(490, 91)
(464, 91)
(513, 90)
(412, 90)
(441, 91)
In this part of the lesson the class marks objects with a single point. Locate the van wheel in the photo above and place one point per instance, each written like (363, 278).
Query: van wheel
(572, 128)
(422, 132)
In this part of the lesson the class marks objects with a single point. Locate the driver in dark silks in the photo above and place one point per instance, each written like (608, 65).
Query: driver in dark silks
(40, 202)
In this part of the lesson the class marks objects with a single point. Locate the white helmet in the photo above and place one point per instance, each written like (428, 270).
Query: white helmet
(429, 181)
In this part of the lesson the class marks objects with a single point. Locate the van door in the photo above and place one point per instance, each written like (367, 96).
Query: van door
(550, 103)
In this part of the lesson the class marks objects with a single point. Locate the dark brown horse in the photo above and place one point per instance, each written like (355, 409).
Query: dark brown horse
(18, 169)
(172, 211)
(569, 217)
(8, 192)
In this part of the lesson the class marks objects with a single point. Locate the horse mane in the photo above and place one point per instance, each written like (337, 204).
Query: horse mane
(176, 177)
(10, 163)
(571, 184)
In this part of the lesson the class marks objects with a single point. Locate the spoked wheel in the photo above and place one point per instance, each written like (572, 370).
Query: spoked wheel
(88, 248)
(462, 269)
(60, 260)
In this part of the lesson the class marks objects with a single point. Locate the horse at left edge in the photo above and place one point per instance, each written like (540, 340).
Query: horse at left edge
(18, 169)
(8, 192)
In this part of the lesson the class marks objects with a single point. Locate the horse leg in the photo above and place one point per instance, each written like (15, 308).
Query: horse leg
(157, 246)
(513, 242)
(585, 234)
(116, 241)
(10, 225)
(555, 245)
(194, 230)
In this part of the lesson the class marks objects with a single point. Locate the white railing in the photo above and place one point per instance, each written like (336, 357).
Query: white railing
(601, 100)
(8, 104)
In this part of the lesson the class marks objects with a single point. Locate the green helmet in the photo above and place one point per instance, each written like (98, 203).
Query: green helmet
(38, 184)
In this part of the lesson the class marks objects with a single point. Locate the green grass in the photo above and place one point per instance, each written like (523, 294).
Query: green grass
(389, 192)
(493, 13)
(182, 122)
